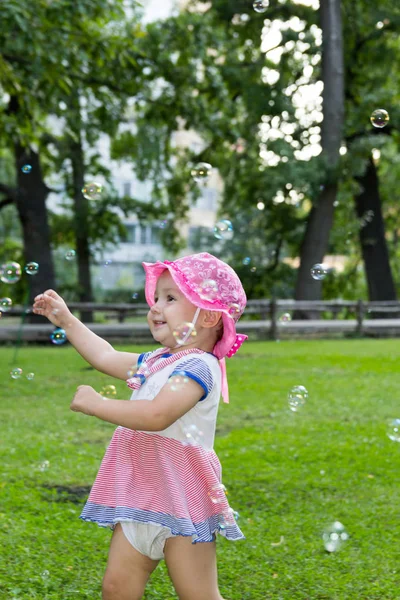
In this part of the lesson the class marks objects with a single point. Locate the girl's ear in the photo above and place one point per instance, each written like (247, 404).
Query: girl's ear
(211, 318)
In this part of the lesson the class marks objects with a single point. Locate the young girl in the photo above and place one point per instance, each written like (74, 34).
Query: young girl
(159, 485)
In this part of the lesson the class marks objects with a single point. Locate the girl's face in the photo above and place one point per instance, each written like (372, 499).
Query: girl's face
(170, 310)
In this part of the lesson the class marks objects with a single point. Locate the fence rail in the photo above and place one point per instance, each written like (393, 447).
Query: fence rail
(268, 320)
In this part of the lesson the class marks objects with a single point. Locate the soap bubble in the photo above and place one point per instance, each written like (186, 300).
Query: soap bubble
(30, 376)
(201, 172)
(208, 289)
(260, 6)
(217, 493)
(16, 373)
(58, 336)
(92, 191)
(393, 430)
(135, 296)
(234, 310)
(5, 304)
(285, 318)
(318, 271)
(223, 230)
(334, 536)
(70, 255)
(297, 397)
(26, 169)
(108, 391)
(10, 272)
(379, 118)
(184, 333)
(163, 224)
(45, 574)
(260, 205)
(193, 435)
(228, 517)
(177, 382)
(31, 268)
(246, 260)
(253, 269)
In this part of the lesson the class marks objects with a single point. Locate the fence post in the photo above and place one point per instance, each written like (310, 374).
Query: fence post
(274, 324)
(360, 316)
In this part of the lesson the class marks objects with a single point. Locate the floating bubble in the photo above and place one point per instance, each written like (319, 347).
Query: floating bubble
(92, 191)
(26, 169)
(108, 391)
(234, 310)
(193, 435)
(228, 517)
(285, 318)
(379, 118)
(217, 493)
(260, 205)
(297, 397)
(253, 269)
(184, 333)
(58, 336)
(70, 255)
(163, 224)
(223, 230)
(260, 6)
(393, 430)
(334, 536)
(201, 172)
(5, 304)
(10, 272)
(30, 376)
(45, 574)
(31, 268)
(16, 373)
(42, 467)
(107, 263)
(131, 372)
(246, 260)
(177, 382)
(135, 296)
(208, 289)
(318, 271)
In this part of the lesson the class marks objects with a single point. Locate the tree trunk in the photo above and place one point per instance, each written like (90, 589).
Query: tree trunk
(319, 225)
(372, 238)
(81, 207)
(30, 200)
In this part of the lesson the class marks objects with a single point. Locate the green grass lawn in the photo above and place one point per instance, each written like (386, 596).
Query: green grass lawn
(287, 474)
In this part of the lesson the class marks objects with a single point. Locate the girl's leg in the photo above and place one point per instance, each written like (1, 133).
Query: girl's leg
(192, 568)
(127, 570)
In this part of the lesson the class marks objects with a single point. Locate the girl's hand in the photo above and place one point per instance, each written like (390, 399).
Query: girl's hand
(51, 305)
(85, 400)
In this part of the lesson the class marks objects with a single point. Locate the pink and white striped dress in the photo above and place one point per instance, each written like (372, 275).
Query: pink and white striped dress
(160, 478)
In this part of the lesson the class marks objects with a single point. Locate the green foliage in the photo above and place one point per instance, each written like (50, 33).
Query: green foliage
(287, 474)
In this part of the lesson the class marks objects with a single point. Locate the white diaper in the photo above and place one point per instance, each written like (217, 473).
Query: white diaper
(147, 538)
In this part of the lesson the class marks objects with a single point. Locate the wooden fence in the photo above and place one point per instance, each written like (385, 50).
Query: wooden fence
(263, 319)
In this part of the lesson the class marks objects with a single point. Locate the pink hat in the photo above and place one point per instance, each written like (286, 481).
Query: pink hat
(208, 283)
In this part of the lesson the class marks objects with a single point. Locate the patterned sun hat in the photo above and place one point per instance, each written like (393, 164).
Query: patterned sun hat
(208, 283)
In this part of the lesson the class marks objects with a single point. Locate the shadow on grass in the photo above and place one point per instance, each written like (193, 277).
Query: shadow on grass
(66, 493)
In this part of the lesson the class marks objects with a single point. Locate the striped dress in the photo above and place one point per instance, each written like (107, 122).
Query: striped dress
(173, 477)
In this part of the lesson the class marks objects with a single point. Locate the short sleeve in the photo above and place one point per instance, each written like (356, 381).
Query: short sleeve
(199, 371)
(142, 358)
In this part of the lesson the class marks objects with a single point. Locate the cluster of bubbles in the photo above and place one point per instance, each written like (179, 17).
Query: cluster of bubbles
(193, 435)
(108, 391)
(58, 336)
(70, 255)
(11, 272)
(297, 397)
(16, 373)
(334, 536)
(177, 382)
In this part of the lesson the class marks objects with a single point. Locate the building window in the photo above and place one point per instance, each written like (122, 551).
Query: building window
(131, 233)
(127, 189)
(143, 233)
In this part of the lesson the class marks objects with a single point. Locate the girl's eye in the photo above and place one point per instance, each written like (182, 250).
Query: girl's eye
(171, 298)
